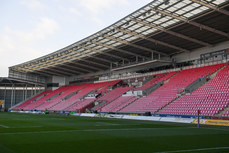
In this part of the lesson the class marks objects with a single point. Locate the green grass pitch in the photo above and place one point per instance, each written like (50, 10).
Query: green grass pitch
(32, 133)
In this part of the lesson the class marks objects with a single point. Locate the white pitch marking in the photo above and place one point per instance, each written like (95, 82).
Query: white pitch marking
(26, 127)
(4, 126)
(91, 130)
(105, 123)
(202, 149)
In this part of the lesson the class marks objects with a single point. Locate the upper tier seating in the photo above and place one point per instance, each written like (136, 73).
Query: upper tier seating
(209, 99)
(168, 92)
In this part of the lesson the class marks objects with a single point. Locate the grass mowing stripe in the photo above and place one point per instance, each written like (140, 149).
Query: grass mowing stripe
(190, 150)
(90, 130)
(6, 149)
(215, 129)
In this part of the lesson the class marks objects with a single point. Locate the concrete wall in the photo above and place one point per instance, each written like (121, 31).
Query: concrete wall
(62, 81)
(58, 79)
(193, 55)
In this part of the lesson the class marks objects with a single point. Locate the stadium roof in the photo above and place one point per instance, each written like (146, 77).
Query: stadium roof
(9, 82)
(162, 27)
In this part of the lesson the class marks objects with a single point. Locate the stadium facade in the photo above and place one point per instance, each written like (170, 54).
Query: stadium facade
(162, 37)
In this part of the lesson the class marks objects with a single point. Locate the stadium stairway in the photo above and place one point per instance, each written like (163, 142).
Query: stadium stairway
(166, 77)
(147, 80)
(87, 103)
(26, 102)
(183, 92)
(80, 106)
(100, 103)
(204, 101)
(128, 104)
(175, 73)
(113, 95)
(118, 103)
(76, 98)
(164, 107)
(224, 112)
(42, 100)
(215, 73)
(56, 98)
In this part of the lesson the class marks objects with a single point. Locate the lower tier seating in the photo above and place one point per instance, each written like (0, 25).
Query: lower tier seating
(21, 106)
(112, 95)
(80, 104)
(226, 113)
(119, 103)
(211, 98)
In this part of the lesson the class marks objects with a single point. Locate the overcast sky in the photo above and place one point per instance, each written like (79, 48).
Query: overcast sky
(33, 28)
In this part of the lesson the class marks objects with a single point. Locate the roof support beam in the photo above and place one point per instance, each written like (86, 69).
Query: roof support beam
(60, 63)
(27, 69)
(52, 71)
(101, 52)
(74, 57)
(133, 45)
(117, 49)
(211, 6)
(201, 26)
(40, 67)
(84, 54)
(96, 63)
(19, 69)
(173, 33)
(73, 67)
(152, 40)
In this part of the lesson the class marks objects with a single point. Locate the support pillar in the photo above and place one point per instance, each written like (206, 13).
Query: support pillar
(12, 96)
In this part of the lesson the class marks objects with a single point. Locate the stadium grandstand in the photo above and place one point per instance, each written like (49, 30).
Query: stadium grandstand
(168, 57)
